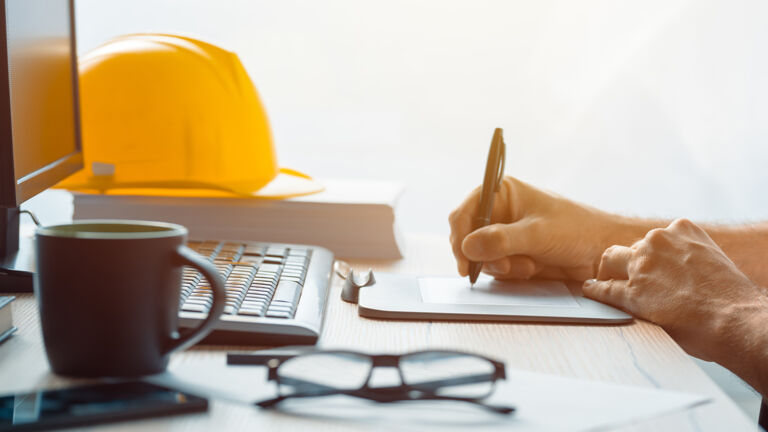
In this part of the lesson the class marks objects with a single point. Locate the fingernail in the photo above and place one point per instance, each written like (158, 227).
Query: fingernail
(590, 281)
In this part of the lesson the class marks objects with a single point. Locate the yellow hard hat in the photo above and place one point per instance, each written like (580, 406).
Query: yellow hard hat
(173, 115)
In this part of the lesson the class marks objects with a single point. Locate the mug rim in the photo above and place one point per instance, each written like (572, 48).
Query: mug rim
(167, 230)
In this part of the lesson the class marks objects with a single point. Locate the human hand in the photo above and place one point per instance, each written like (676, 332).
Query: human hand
(536, 233)
(678, 278)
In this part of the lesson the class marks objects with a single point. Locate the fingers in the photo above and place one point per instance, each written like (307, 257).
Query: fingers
(497, 241)
(460, 221)
(614, 263)
(513, 267)
(612, 291)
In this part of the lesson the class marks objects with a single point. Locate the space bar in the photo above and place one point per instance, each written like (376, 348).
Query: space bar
(287, 291)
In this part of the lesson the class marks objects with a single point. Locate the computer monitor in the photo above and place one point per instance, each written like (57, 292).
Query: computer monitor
(39, 118)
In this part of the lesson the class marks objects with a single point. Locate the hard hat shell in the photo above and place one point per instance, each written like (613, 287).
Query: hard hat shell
(171, 112)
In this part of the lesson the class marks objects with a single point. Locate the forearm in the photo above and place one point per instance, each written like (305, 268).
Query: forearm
(746, 246)
(743, 345)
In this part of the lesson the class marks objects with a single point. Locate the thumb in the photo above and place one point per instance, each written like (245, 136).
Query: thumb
(497, 241)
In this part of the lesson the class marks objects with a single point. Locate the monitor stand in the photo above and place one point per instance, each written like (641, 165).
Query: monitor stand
(17, 258)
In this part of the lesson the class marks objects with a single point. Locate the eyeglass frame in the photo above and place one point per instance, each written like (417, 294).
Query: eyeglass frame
(403, 392)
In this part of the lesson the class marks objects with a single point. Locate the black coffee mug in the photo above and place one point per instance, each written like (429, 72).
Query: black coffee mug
(108, 293)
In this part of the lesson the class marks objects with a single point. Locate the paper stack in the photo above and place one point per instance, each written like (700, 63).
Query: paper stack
(352, 218)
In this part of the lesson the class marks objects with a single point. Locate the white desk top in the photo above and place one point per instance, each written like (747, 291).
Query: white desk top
(638, 354)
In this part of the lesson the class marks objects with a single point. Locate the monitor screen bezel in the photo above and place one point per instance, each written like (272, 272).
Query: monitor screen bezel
(15, 191)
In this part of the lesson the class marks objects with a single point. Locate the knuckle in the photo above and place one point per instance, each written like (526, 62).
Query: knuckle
(681, 223)
(457, 218)
(604, 258)
(655, 235)
(454, 216)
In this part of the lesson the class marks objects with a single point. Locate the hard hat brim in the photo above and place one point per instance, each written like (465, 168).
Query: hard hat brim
(287, 183)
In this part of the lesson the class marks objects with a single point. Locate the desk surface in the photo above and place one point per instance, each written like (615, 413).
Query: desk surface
(638, 354)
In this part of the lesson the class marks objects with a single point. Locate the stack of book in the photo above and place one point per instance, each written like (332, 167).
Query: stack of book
(352, 218)
(6, 318)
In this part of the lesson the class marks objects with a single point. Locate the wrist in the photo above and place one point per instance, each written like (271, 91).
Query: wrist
(625, 231)
(742, 343)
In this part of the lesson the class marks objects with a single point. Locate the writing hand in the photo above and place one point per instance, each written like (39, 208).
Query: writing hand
(536, 234)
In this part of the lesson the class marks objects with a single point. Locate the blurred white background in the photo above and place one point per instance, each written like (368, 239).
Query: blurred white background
(655, 108)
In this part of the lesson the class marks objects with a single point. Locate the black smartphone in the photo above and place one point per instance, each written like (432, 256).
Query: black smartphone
(87, 405)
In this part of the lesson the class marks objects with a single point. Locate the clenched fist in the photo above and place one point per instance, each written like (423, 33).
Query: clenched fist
(679, 278)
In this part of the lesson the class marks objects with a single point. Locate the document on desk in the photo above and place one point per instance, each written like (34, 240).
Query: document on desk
(489, 291)
(543, 402)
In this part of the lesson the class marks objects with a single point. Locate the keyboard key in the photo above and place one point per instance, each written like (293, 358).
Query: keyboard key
(279, 314)
(276, 251)
(254, 250)
(263, 282)
(297, 279)
(281, 306)
(264, 292)
(192, 307)
(272, 260)
(251, 312)
(255, 260)
(269, 268)
(231, 247)
(288, 291)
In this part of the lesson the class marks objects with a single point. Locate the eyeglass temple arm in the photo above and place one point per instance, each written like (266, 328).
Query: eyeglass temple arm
(499, 409)
(404, 396)
(297, 382)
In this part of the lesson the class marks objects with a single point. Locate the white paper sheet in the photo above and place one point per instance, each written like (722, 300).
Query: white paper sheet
(489, 291)
(542, 402)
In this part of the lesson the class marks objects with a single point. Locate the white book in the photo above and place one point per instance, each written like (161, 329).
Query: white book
(352, 218)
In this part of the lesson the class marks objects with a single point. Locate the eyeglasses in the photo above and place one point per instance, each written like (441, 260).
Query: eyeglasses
(421, 375)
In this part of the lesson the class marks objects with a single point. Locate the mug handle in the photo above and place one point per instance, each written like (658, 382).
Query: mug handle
(192, 336)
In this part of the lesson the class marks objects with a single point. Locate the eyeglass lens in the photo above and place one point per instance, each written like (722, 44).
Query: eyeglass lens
(448, 374)
(441, 373)
(338, 371)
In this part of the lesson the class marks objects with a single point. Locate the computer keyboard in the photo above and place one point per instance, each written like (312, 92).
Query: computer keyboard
(276, 293)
